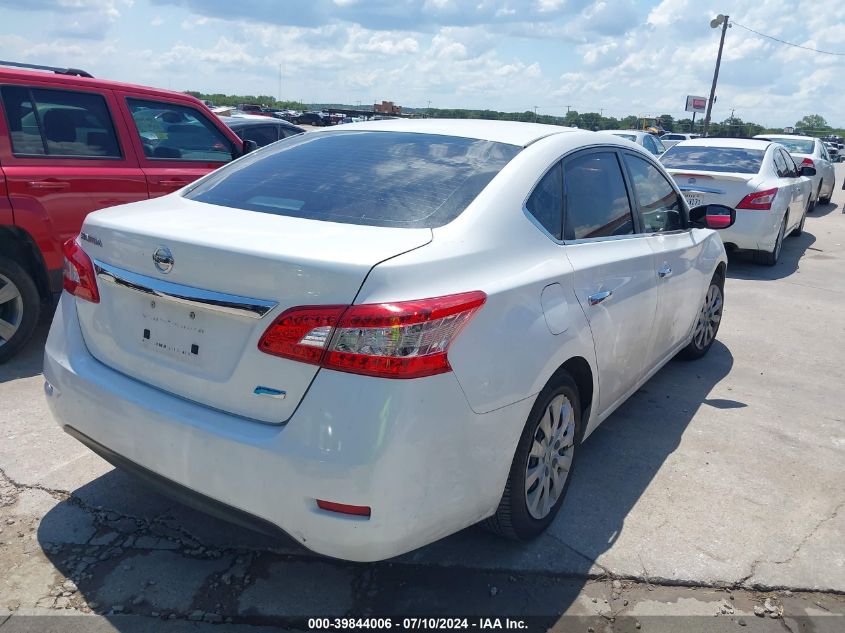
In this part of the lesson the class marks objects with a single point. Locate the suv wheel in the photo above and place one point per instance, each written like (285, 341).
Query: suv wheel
(20, 306)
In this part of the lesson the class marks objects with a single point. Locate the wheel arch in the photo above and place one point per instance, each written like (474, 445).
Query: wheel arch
(582, 373)
(21, 248)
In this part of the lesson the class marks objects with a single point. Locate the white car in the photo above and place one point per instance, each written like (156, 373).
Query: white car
(673, 138)
(373, 365)
(770, 193)
(645, 139)
(811, 152)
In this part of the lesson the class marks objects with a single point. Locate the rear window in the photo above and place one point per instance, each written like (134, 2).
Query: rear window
(377, 178)
(796, 146)
(724, 159)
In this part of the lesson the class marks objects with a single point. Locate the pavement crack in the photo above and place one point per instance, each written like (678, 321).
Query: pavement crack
(57, 493)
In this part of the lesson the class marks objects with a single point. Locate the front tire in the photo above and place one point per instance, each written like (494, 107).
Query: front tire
(542, 465)
(798, 230)
(709, 319)
(20, 306)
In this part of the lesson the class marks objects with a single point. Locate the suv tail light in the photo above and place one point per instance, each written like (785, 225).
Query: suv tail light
(78, 276)
(759, 201)
(808, 162)
(406, 339)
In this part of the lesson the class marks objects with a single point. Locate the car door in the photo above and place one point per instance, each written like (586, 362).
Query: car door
(613, 265)
(826, 166)
(786, 183)
(65, 152)
(678, 251)
(801, 188)
(175, 141)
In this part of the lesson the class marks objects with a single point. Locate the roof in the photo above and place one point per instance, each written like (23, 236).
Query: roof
(70, 81)
(510, 132)
(787, 136)
(746, 143)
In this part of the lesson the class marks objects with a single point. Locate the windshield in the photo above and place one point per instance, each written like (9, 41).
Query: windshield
(725, 159)
(378, 178)
(796, 145)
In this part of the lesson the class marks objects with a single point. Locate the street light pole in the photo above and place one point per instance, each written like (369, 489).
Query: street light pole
(723, 21)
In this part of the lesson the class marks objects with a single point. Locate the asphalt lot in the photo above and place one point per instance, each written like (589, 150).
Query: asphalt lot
(720, 477)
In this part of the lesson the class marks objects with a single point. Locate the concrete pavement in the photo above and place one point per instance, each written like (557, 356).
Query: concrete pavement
(725, 473)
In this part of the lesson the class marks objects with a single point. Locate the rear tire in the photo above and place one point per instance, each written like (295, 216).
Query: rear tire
(770, 258)
(709, 319)
(547, 448)
(826, 199)
(20, 306)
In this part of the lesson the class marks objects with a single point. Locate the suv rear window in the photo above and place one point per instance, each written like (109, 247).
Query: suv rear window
(725, 159)
(796, 146)
(394, 179)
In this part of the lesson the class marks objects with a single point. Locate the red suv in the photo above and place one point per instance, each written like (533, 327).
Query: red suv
(71, 144)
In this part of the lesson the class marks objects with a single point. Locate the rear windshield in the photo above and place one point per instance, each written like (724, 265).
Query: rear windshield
(395, 179)
(726, 159)
(796, 146)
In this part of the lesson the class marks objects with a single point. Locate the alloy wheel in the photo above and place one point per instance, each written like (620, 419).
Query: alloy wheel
(11, 309)
(708, 318)
(550, 459)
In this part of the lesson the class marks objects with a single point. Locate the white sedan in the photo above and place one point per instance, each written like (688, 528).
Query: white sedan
(771, 194)
(811, 152)
(374, 336)
(645, 139)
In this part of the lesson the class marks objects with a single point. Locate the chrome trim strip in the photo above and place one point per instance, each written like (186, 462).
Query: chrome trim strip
(196, 297)
(700, 189)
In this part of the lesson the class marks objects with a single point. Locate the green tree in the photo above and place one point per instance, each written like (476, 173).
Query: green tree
(812, 122)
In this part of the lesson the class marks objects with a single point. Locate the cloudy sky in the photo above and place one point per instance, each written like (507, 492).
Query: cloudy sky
(622, 56)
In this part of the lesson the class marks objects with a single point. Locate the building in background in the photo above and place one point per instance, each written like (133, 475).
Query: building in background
(387, 107)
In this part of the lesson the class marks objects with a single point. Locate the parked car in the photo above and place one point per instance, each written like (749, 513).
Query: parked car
(671, 138)
(771, 194)
(372, 365)
(70, 144)
(261, 129)
(646, 139)
(810, 151)
(313, 118)
(253, 108)
(833, 152)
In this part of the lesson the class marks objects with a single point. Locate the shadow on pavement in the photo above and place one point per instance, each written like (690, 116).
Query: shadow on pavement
(742, 266)
(30, 360)
(137, 552)
(822, 210)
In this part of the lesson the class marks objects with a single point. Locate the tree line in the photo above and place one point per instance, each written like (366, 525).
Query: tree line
(812, 124)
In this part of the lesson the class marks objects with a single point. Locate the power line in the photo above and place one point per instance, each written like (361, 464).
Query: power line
(771, 37)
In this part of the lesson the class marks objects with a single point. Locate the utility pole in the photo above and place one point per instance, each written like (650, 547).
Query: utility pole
(567, 109)
(280, 83)
(535, 114)
(601, 112)
(722, 20)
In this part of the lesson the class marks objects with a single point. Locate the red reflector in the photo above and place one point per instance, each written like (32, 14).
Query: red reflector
(343, 508)
(78, 276)
(405, 339)
(759, 201)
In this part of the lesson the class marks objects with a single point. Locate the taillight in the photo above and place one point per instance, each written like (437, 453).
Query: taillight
(808, 162)
(405, 339)
(760, 201)
(78, 276)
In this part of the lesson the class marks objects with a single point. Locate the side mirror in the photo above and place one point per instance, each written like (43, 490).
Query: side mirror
(807, 171)
(712, 216)
(249, 146)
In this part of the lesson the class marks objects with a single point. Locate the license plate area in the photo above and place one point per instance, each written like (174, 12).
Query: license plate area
(693, 200)
(172, 330)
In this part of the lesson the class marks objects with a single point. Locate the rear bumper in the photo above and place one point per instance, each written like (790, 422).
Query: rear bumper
(753, 230)
(412, 450)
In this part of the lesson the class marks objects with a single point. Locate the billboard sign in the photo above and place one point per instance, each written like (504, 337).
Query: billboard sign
(696, 104)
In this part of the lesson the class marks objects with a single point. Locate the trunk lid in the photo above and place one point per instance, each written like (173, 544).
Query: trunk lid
(713, 187)
(194, 331)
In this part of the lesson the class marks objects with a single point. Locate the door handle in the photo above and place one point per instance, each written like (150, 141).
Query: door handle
(597, 298)
(47, 184)
(664, 272)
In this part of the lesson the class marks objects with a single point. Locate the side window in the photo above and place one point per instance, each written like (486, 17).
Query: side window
(546, 201)
(261, 134)
(660, 206)
(791, 167)
(59, 123)
(174, 132)
(780, 164)
(660, 146)
(596, 201)
(649, 144)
